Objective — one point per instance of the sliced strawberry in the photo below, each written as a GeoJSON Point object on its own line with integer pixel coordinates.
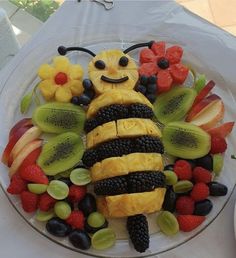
{"type": "Point", "coordinates": [179, 73]}
{"type": "Point", "coordinates": [164, 81]}
{"type": "Point", "coordinates": [30, 159]}
{"type": "Point", "coordinates": [146, 56]}
{"type": "Point", "coordinates": [158, 49]}
{"type": "Point", "coordinates": [188, 223]}
{"type": "Point", "coordinates": [29, 201]}
{"type": "Point", "coordinates": [25, 122]}
{"type": "Point", "coordinates": [17, 185]}
{"type": "Point", "coordinates": [174, 54]}
{"type": "Point", "coordinates": [221, 131]}
{"type": "Point", "coordinates": [35, 174]}
{"type": "Point", "coordinates": [204, 92]}
{"type": "Point", "coordinates": [148, 69]}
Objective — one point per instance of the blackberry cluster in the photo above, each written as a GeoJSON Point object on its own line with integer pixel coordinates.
{"type": "Point", "coordinates": [133, 183]}
{"type": "Point", "coordinates": [137, 227]}
{"type": "Point", "coordinates": [117, 111]}
{"type": "Point", "coordinates": [111, 186]}
{"type": "Point", "coordinates": [122, 146]}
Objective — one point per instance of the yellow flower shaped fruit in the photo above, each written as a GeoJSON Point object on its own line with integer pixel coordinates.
{"type": "Point", "coordinates": [61, 80]}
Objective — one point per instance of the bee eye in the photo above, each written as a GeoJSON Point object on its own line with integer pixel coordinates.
{"type": "Point", "coordinates": [99, 64]}
{"type": "Point", "coordinates": [123, 61]}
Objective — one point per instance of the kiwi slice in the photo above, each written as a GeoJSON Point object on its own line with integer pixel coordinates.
{"type": "Point", "coordinates": [61, 153]}
{"type": "Point", "coordinates": [185, 140]}
{"type": "Point", "coordinates": [59, 118]}
{"type": "Point", "coordinates": [174, 105]}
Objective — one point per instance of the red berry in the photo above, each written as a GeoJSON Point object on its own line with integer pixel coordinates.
{"type": "Point", "coordinates": [76, 219]}
{"type": "Point", "coordinates": [61, 78]}
{"type": "Point", "coordinates": [218, 145]}
{"type": "Point", "coordinates": [17, 185]}
{"type": "Point", "coordinates": [201, 175]}
{"type": "Point", "coordinates": [29, 201]}
{"type": "Point", "coordinates": [46, 202]}
{"type": "Point", "coordinates": [185, 205]}
{"type": "Point", "coordinates": [189, 222]}
{"type": "Point", "coordinates": [35, 174]}
{"type": "Point", "coordinates": [76, 193]}
{"type": "Point", "coordinates": [200, 192]}
{"type": "Point", "coordinates": [183, 170]}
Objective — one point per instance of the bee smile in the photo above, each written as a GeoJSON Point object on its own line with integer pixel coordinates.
{"type": "Point", "coordinates": [110, 80]}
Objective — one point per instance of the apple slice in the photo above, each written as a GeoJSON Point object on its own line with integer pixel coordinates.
{"type": "Point", "coordinates": [27, 149]}
{"type": "Point", "coordinates": [210, 115]}
{"type": "Point", "coordinates": [195, 110]}
{"type": "Point", "coordinates": [204, 92]}
{"type": "Point", "coordinates": [222, 130]}
{"type": "Point", "coordinates": [30, 135]}
{"type": "Point", "coordinates": [11, 143]}
{"type": "Point", "coordinates": [25, 122]}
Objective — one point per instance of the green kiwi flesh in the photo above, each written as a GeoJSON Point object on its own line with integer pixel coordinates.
{"type": "Point", "coordinates": [59, 118]}
{"type": "Point", "coordinates": [174, 105]}
{"type": "Point", "coordinates": [185, 140]}
{"type": "Point", "coordinates": [61, 153]}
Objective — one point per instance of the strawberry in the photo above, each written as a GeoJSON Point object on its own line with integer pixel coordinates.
{"type": "Point", "coordinates": [185, 205]}
{"type": "Point", "coordinates": [199, 192]}
{"type": "Point", "coordinates": [201, 174]}
{"type": "Point", "coordinates": [35, 174]}
{"type": "Point", "coordinates": [76, 219]}
{"type": "Point", "coordinates": [188, 223]}
{"type": "Point", "coordinates": [17, 185]}
{"type": "Point", "coordinates": [218, 145]}
{"type": "Point", "coordinates": [29, 201]}
{"type": "Point", "coordinates": [183, 170]}
{"type": "Point", "coordinates": [46, 202]}
{"type": "Point", "coordinates": [76, 193]}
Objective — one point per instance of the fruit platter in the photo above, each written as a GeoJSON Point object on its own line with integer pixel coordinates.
{"type": "Point", "coordinates": [118, 151]}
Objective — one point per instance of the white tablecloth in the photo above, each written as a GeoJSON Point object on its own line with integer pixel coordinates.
{"type": "Point", "coordinates": [17, 239]}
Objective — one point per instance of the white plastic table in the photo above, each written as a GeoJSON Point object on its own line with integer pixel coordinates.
{"type": "Point", "coordinates": [17, 238]}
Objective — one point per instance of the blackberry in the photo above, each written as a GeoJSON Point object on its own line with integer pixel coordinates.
{"type": "Point", "coordinates": [140, 110]}
{"type": "Point", "coordinates": [137, 227]}
{"type": "Point", "coordinates": [111, 186]}
{"type": "Point", "coordinates": [90, 157]}
{"type": "Point", "coordinates": [90, 124]}
{"type": "Point", "coordinates": [145, 181]}
{"type": "Point", "coordinates": [149, 144]}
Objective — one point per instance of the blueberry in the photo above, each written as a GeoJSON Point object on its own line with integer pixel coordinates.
{"type": "Point", "coordinates": [99, 64]}
{"type": "Point", "coordinates": [58, 227]}
{"type": "Point", "coordinates": [141, 88]}
{"type": "Point", "coordinates": [88, 204]}
{"type": "Point", "coordinates": [123, 61]}
{"type": "Point", "coordinates": [151, 88]}
{"type": "Point", "coordinates": [163, 63]}
{"type": "Point", "coordinates": [170, 200]}
{"type": "Point", "coordinates": [84, 99]}
{"type": "Point", "coordinates": [205, 162]}
{"type": "Point", "coordinates": [151, 97]}
{"type": "Point", "coordinates": [169, 167]}
{"type": "Point", "coordinates": [143, 80]}
{"type": "Point", "coordinates": [87, 84]}
{"type": "Point", "coordinates": [203, 208]}
{"type": "Point", "coordinates": [217, 189]}
{"type": "Point", "coordinates": [90, 93]}
{"type": "Point", "coordinates": [66, 180]}
{"type": "Point", "coordinates": [152, 79]}
{"type": "Point", "coordinates": [80, 239]}
{"type": "Point", "coordinates": [75, 100]}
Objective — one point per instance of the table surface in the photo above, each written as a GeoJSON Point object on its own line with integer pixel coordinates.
{"type": "Point", "coordinates": [19, 239]}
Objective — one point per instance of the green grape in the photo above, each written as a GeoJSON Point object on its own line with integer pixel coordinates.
{"type": "Point", "coordinates": [80, 176]}
{"type": "Point", "coordinates": [96, 219]}
{"type": "Point", "coordinates": [171, 177]}
{"type": "Point", "coordinates": [167, 223]}
{"type": "Point", "coordinates": [103, 239]}
{"type": "Point", "coordinates": [58, 189]}
{"type": "Point", "coordinates": [218, 162]}
{"type": "Point", "coordinates": [182, 186]}
{"type": "Point", "coordinates": [44, 215]}
{"type": "Point", "coordinates": [62, 209]}
{"type": "Point", "coordinates": [37, 188]}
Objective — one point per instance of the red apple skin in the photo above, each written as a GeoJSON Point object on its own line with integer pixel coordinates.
{"type": "Point", "coordinates": [222, 131]}
{"type": "Point", "coordinates": [12, 141]}
{"type": "Point", "coordinates": [25, 122]}
{"type": "Point", "coordinates": [204, 92]}
{"type": "Point", "coordinates": [200, 106]}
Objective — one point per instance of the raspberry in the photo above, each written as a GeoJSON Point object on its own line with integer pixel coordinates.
{"type": "Point", "coordinates": [185, 205]}
{"type": "Point", "coordinates": [218, 145]}
{"type": "Point", "coordinates": [183, 170]}
{"type": "Point", "coordinates": [17, 185]}
{"type": "Point", "coordinates": [189, 222]}
{"type": "Point", "coordinates": [202, 175]}
{"type": "Point", "coordinates": [199, 192]}
{"type": "Point", "coordinates": [76, 193]}
{"type": "Point", "coordinates": [46, 202]}
{"type": "Point", "coordinates": [35, 174]}
{"type": "Point", "coordinates": [76, 219]}
{"type": "Point", "coordinates": [29, 201]}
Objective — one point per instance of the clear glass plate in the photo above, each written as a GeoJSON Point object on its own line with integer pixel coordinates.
{"type": "Point", "coordinates": [24, 78]}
